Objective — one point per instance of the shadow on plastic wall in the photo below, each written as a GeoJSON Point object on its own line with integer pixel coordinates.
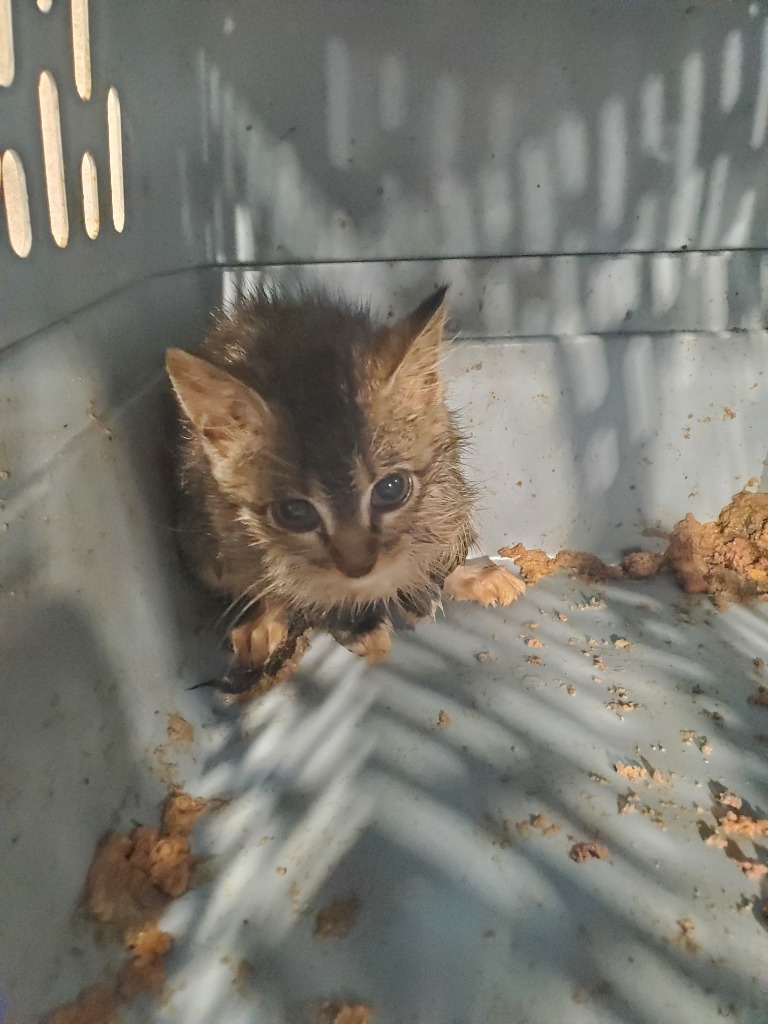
{"type": "Point", "coordinates": [546, 155]}
{"type": "Point", "coordinates": [395, 142]}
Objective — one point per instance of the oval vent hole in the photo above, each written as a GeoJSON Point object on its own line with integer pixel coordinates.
{"type": "Point", "coordinates": [53, 158]}
{"type": "Point", "coordinates": [14, 186]}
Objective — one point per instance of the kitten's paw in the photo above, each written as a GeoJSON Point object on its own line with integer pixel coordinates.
{"type": "Point", "coordinates": [373, 646]}
{"type": "Point", "coordinates": [486, 583]}
{"type": "Point", "coordinates": [255, 640]}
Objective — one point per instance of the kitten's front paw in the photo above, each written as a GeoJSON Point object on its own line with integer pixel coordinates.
{"type": "Point", "coordinates": [256, 639]}
{"type": "Point", "coordinates": [373, 646]}
{"type": "Point", "coordinates": [486, 583]}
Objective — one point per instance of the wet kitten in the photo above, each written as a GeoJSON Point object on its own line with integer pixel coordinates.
{"type": "Point", "coordinates": [320, 474]}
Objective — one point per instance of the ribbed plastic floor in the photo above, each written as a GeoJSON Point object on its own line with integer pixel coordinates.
{"type": "Point", "coordinates": [414, 787]}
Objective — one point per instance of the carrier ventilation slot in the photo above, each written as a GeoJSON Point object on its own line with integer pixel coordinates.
{"type": "Point", "coordinates": [50, 125]}
{"type": "Point", "coordinates": [89, 179]}
{"type": "Point", "coordinates": [7, 63]}
{"type": "Point", "coordinates": [81, 48]}
{"type": "Point", "coordinates": [14, 197]}
{"type": "Point", "coordinates": [114, 124]}
{"type": "Point", "coordinates": [14, 187]}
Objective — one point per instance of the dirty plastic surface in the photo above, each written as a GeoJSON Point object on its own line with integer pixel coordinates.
{"type": "Point", "coordinates": [594, 190]}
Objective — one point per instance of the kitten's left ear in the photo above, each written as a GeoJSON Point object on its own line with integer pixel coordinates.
{"type": "Point", "coordinates": [412, 350]}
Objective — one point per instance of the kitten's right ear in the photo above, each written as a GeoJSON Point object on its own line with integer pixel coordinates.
{"type": "Point", "coordinates": [227, 415]}
{"type": "Point", "coordinates": [410, 352]}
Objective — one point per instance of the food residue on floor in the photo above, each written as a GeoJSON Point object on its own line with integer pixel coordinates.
{"type": "Point", "coordinates": [587, 850]}
{"type": "Point", "coordinates": [685, 937]}
{"type": "Point", "coordinates": [344, 1013]}
{"type": "Point", "coordinates": [337, 919]}
{"type": "Point", "coordinates": [179, 729]}
{"type": "Point", "coordinates": [631, 771]}
{"type": "Point", "coordinates": [726, 558]}
{"type": "Point", "coordinates": [132, 879]}
{"type": "Point", "coordinates": [443, 719]}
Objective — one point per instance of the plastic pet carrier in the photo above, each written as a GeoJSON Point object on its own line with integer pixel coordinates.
{"type": "Point", "coordinates": [553, 811]}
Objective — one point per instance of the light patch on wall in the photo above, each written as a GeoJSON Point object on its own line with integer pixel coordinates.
{"type": "Point", "coordinates": [53, 157]}
{"type": "Point", "coordinates": [81, 48]}
{"type": "Point", "coordinates": [14, 187]}
{"type": "Point", "coordinates": [7, 61]}
{"type": "Point", "coordinates": [89, 178]}
{"type": "Point", "coordinates": [115, 139]}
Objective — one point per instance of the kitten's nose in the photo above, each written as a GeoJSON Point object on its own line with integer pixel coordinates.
{"type": "Point", "coordinates": [353, 550]}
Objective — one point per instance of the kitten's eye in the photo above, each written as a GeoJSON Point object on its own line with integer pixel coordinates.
{"type": "Point", "coordinates": [296, 515]}
{"type": "Point", "coordinates": [391, 491]}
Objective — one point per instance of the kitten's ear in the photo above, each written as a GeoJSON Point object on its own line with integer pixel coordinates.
{"type": "Point", "coordinates": [226, 414]}
{"type": "Point", "coordinates": [411, 350]}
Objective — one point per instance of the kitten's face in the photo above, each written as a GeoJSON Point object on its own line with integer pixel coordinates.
{"type": "Point", "coordinates": [340, 467]}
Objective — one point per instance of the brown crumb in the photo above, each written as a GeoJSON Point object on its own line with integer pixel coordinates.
{"type": "Point", "coordinates": [533, 563]}
{"type": "Point", "coordinates": [337, 919]}
{"type": "Point", "coordinates": [655, 816]}
{"type": "Point", "coordinates": [570, 690]}
{"type": "Point", "coordinates": [181, 812]}
{"type": "Point", "coordinates": [344, 1013]}
{"type": "Point", "coordinates": [243, 974]}
{"type": "Point", "coordinates": [179, 729]}
{"type": "Point", "coordinates": [631, 771]}
{"type": "Point", "coordinates": [627, 803]}
{"type": "Point", "coordinates": [119, 889]}
{"type": "Point", "coordinates": [728, 413]}
{"type": "Point", "coordinates": [531, 625]}
{"type": "Point", "coordinates": [746, 825]}
{"type": "Point", "coordinates": [131, 880]}
{"type": "Point", "coordinates": [587, 850]}
{"type": "Point", "coordinates": [544, 825]}
{"type": "Point", "coordinates": [727, 558]}
{"type": "Point", "coordinates": [596, 777]}
{"type": "Point", "coordinates": [281, 871]}
{"type": "Point", "coordinates": [144, 974]}
{"type": "Point", "coordinates": [685, 938]}
{"type": "Point", "coordinates": [443, 719]}
{"type": "Point", "coordinates": [621, 701]}
{"type": "Point", "coordinates": [533, 659]}
{"type": "Point", "coordinates": [623, 643]}
{"type": "Point", "coordinates": [599, 664]}
{"type": "Point", "coordinates": [4, 474]}
{"type": "Point", "coordinates": [533, 641]}
{"type": "Point", "coordinates": [483, 655]}
{"type": "Point", "coordinates": [561, 617]}
{"type": "Point", "coordinates": [99, 1004]}
{"type": "Point", "coordinates": [759, 697]}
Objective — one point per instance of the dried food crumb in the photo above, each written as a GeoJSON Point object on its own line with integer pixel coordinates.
{"type": "Point", "coordinates": [483, 655]}
{"type": "Point", "coordinates": [631, 771]}
{"type": "Point", "coordinates": [587, 850]}
{"type": "Point", "coordinates": [627, 802]}
{"type": "Point", "coordinates": [623, 643]}
{"type": "Point", "coordinates": [281, 870]}
{"type": "Point", "coordinates": [344, 1013]}
{"type": "Point", "coordinates": [443, 719]}
{"type": "Point", "coordinates": [337, 919]}
{"type": "Point", "coordinates": [533, 659]}
{"type": "Point", "coordinates": [179, 729]}
{"type": "Point", "coordinates": [533, 641]}
{"type": "Point", "coordinates": [759, 697]}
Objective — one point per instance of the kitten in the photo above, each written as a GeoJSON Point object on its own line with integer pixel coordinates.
{"type": "Point", "coordinates": [320, 474]}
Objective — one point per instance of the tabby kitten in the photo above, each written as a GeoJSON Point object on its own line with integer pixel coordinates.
{"type": "Point", "coordinates": [320, 475]}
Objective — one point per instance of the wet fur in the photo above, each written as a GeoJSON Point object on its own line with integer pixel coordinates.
{"type": "Point", "coordinates": [340, 400]}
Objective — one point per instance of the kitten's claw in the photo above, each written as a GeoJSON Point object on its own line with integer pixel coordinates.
{"type": "Point", "coordinates": [373, 646]}
{"type": "Point", "coordinates": [257, 639]}
{"type": "Point", "coordinates": [486, 582]}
